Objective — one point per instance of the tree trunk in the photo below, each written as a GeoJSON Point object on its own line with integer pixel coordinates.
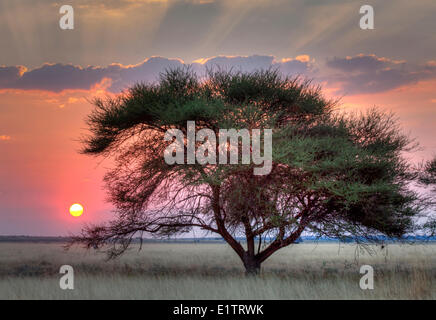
{"type": "Point", "coordinates": [251, 264]}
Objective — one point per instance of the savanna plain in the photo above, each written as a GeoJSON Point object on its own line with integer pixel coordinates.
{"type": "Point", "coordinates": [213, 271]}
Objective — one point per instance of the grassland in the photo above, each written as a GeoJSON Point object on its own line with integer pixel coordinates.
{"type": "Point", "coordinates": [212, 271]}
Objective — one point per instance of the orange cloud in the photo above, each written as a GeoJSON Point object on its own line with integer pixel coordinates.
{"type": "Point", "coordinates": [303, 58]}
{"type": "Point", "coordinates": [5, 138]}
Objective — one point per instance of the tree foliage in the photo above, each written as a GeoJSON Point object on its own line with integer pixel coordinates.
{"type": "Point", "coordinates": [428, 175]}
{"type": "Point", "coordinates": [427, 178]}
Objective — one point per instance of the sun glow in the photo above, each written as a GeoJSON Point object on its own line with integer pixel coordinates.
{"type": "Point", "coordinates": [76, 210]}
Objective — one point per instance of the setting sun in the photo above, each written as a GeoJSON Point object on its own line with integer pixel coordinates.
{"type": "Point", "coordinates": [76, 210]}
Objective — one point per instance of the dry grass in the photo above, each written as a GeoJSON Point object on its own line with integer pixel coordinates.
{"type": "Point", "coordinates": [212, 271]}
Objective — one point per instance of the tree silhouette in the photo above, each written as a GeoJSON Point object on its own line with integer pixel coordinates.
{"type": "Point", "coordinates": [428, 174]}
{"type": "Point", "coordinates": [427, 178]}
{"type": "Point", "coordinates": [332, 175]}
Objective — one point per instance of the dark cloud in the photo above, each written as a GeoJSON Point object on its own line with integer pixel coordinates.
{"type": "Point", "coordinates": [58, 77]}
{"type": "Point", "coordinates": [360, 63]}
{"type": "Point", "coordinates": [51, 77]}
{"type": "Point", "coordinates": [10, 75]}
{"type": "Point", "coordinates": [295, 66]}
{"type": "Point", "coordinates": [371, 74]}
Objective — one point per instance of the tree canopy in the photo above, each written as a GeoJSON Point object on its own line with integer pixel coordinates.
{"type": "Point", "coordinates": [332, 174]}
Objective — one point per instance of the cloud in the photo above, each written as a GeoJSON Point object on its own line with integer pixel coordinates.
{"type": "Point", "coordinates": [243, 63]}
{"type": "Point", "coordinates": [301, 65]}
{"type": "Point", "coordinates": [10, 74]}
{"type": "Point", "coordinates": [361, 62]}
{"type": "Point", "coordinates": [4, 138]}
{"type": "Point", "coordinates": [372, 74]}
{"type": "Point", "coordinates": [59, 77]}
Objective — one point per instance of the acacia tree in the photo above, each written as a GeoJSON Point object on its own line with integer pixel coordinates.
{"type": "Point", "coordinates": [331, 175]}
{"type": "Point", "coordinates": [428, 174]}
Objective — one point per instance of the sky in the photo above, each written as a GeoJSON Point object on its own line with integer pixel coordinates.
{"type": "Point", "coordinates": [48, 76]}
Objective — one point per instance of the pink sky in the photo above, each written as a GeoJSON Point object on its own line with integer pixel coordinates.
{"type": "Point", "coordinates": [41, 171]}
